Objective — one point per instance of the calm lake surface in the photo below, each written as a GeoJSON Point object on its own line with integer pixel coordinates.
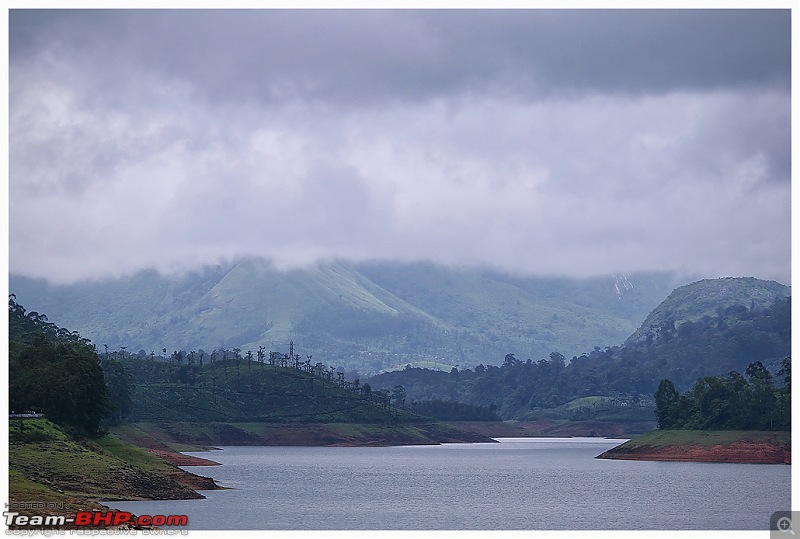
{"type": "Point", "coordinates": [519, 483]}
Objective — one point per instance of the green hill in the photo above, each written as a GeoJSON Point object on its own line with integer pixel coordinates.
{"type": "Point", "coordinates": [708, 298]}
{"type": "Point", "coordinates": [252, 392]}
{"type": "Point", "coordinates": [743, 328]}
{"type": "Point", "coordinates": [366, 317]}
{"type": "Point", "coordinates": [713, 327]}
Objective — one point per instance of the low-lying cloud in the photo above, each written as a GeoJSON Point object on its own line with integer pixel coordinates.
{"type": "Point", "coordinates": [175, 139]}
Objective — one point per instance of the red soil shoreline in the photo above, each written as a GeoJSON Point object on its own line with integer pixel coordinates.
{"type": "Point", "coordinates": [737, 452]}
{"type": "Point", "coordinates": [179, 459]}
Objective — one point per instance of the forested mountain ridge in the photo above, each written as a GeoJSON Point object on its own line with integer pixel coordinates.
{"type": "Point", "coordinates": [734, 337]}
{"type": "Point", "coordinates": [365, 317]}
{"type": "Point", "coordinates": [695, 301]}
{"type": "Point", "coordinates": [751, 321]}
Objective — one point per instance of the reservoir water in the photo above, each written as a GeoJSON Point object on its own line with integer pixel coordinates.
{"type": "Point", "coordinates": [517, 484]}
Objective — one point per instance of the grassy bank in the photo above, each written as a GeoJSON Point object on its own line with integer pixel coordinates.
{"type": "Point", "coordinates": [757, 447]}
{"type": "Point", "coordinates": [552, 428]}
{"type": "Point", "coordinates": [188, 435]}
{"type": "Point", "coordinates": [71, 474]}
{"type": "Point", "coordinates": [597, 408]}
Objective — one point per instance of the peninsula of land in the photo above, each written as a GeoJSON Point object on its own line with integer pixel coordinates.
{"type": "Point", "coordinates": [748, 447]}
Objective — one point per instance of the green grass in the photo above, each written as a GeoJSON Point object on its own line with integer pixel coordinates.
{"type": "Point", "coordinates": [154, 435]}
{"type": "Point", "coordinates": [151, 436]}
{"type": "Point", "coordinates": [34, 430]}
{"type": "Point", "coordinates": [113, 446]}
{"type": "Point", "coordinates": [50, 465]}
{"type": "Point", "coordinates": [593, 408]}
{"type": "Point", "coordinates": [663, 438]}
{"type": "Point", "coordinates": [584, 402]}
{"type": "Point", "coordinates": [197, 436]}
{"type": "Point", "coordinates": [24, 489]}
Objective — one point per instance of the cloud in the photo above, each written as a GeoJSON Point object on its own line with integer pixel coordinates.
{"type": "Point", "coordinates": [537, 141]}
{"type": "Point", "coordinates": [352, 57]}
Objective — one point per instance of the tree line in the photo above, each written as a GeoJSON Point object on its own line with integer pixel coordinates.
{"type": "Point", "coordinates": [55, 371]}
{"type": "Point", "coordinates": [198, 368]}
{"type": "Point", "coordinates": [450, 410]}
{"type": "Point", "coordinates": [731, 402]}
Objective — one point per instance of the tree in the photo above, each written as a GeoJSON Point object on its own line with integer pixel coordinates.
{"type": "Point", "coordinates": [763, 395]}
{"type": "Point", "coordinates": [558, 358]}
{"type": "Point", "coordinates": [783, 397]}
{"type": "Point", "coordinates": [740, 401]}
{"type": "Point", "coordinates": [177, 357]}
{"type": "Point", "coordinates": [63, 380]}
{"type": "Point", "coordinates": [786, 372]}
{"type": "Point", "coordinates": [510, 360]}
{"type": "Point", "coordinates": [399, 396]}
{"type": "Point", "coordinates": [54, 370]}
{"type": "Point", "coordinates": [119, 384]}
{"type": "Point", "coordinates": [712, 404]}
{"type": "Point", "coordinates": [726, 403]}
{"type": "Point", "coordinates": [667, 398]}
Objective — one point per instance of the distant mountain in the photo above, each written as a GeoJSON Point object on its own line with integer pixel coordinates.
{"type": "Point", "coordinates": [708, 298]}
{"type": "Point", "coordinates": [712, 327]}
{"type": "Point", "coordinates": [365, 316]}
{"type": "Point", "coordinates": [749, 321]}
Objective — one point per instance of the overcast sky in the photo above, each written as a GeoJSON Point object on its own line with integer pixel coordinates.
{"type": "Point", "coordinates": [546, 142]}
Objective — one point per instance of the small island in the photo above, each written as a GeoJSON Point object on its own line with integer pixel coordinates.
{"type": "Point", "coordinates": [746, 447]}
{"type": "Point", "coordinates": [733, 418]}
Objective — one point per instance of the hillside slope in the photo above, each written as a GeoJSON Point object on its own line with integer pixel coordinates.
{"type": "Point", "coordinates": [744, 329]}
{"type": "Point", "coordinates": [707, 298]}
{"type": "Point", "coordinates": [235, 391]}
{"type": "Point", "coordinates": [70, 474]}
{"type": "Point", "coordinates": [712, 327]}
{"type": "Point", "coordinates": [367, 316]}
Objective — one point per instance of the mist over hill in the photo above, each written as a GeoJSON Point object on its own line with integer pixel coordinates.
{"type": "Point", "coordinates": [749, 321]}
{"type": "Point", "coordinates": [359, 316]}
